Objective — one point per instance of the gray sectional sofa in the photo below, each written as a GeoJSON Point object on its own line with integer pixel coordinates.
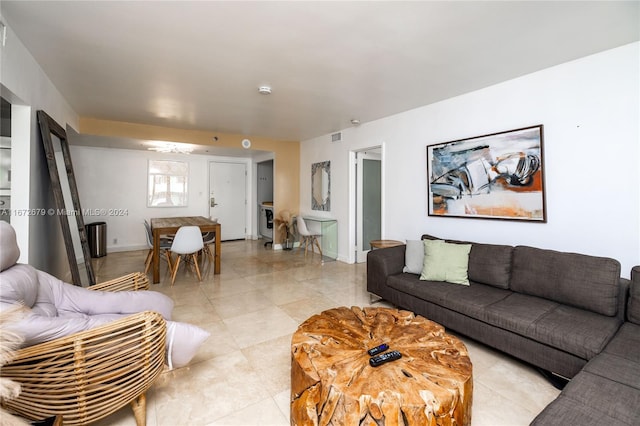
{"type": "Point", "coordinates": [560, 312]}
{"type": "Point", "coordinates": [607, 390]}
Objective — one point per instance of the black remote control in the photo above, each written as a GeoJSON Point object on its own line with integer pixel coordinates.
{"type": "Point", "coordinates": [382, 358]}
{"type": "Point", "coordinates": [375, 351]}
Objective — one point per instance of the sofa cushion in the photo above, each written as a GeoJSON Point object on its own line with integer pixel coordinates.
{"type": "Point", "coordinates": [433, 291]}
{"type": "Point", "coordinates": [613, 399]}
{"type": "Point", "coordinates": [518, 312]}
{"type": "Point", "coordinates": [578, 280]}
{"type": "Point", "coordinates": [633, 308]}
{"type": "Point", "coordinates": [615, 368]}
{"type": "Point", "coordinates": [474, 299]}
{"type": "Point", "coordinates": [626, 342]}
{"type": "Point", "coordinates": [488, 263]}
{"type": "Point", "coordinates": [446, 262]}
{"type": "Point", "coordinates": [573, 330]}
{"type": "Point", "coordinates": [413, 257]}
{"type": "Point", "coordinates": [491, 264]}
{"type": "Point", "coordinates": [579, 332]}
{"type": "Point", "coordinates": [566, 411]}
{"type": "Point", "coordinates": [469, 300]}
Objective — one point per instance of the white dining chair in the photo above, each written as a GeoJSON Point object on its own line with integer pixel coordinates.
{"type": "Point", "coordinates": [306, 237]}
{"type": "Point", "coordinates": [165, 246]}
{"type": "Point", "coordinates": [187, 242]}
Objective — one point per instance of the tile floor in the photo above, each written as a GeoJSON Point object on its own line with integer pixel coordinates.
{"type": "Point", "coordinates": [240, 375]}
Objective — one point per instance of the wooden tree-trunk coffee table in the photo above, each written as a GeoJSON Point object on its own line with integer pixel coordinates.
{"type": "Point", "coordinates": [332, 382]}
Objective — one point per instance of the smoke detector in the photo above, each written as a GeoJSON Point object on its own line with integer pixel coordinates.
{"type": "Point", "coordinates": [264, 90]}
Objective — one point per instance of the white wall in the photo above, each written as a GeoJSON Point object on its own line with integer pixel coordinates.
{"type": "Point", "coordinates": [116, 180]}
{"type": "Point", "coordinates": [591, 114]}
{"type": "Point", "coordinates": [28, 88]}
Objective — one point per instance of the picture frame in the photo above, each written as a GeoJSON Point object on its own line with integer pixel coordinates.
{"type": "Point", "coordinates": [495, 176]}
{"type": "Point", "coordinates": [167, 183]}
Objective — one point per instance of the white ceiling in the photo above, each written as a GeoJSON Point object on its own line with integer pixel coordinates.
{"type": "Point", "coordinates": [198, 65]}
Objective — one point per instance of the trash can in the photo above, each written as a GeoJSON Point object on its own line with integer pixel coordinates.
{"type": "Point", "coordinates": [97, 238]}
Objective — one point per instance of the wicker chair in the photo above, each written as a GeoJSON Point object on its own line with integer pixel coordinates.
{"type": "Point", "coordinates": [130, 282]}
{"type": "Point", "coordinates": [88, 375]}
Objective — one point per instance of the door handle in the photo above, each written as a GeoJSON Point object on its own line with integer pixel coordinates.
{"type": "Point", "coordinates": [212, 202]}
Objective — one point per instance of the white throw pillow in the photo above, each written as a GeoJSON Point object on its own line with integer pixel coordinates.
{"type": "Point", "coordinates": [183, 341]}
{"type": "Point", "coordinates": [413, 257]}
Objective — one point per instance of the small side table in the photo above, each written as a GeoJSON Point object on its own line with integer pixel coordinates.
{"type": "Point", "coordinates": [378, 244]}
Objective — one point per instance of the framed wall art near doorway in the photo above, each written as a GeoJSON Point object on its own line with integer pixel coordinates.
{"type": "Point", "coordinates": [495, 176]}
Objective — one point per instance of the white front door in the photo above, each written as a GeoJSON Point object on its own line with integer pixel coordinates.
{"type": "Point", "coordinates": [228, 199]}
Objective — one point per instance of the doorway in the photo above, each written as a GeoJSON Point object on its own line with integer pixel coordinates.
{"type": "Point", "coordinates": [368, 200]}
{"type": "Point", "coordinates": [5, 160]}
{"type": "Point", "coordinates": [19, 127]}
{"type": "Point", "coordinates": [228, 198]}
{"type": "Point", "coordinates": [264, 197]}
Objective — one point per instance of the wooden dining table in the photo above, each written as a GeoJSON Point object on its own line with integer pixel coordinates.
{"type": "Point", "coordinates": [170, 225]}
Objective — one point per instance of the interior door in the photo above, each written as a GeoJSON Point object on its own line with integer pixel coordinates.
{"type": "Point", "coordinates": [228, 198]}
{"type": "Point", "coordinates": [368, 201]}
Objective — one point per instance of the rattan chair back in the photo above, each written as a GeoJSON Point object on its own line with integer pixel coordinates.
{"type": "Point", "coordinates": [86, 376]}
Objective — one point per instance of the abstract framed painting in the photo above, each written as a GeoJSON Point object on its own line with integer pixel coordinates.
{"type": "Point", "coordinates": [495, 176]}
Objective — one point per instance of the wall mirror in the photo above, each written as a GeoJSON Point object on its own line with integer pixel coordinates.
{"type": "Point", "coordinates": [321, 186]}
{"type": "Point", "coordinates": [65, 193]}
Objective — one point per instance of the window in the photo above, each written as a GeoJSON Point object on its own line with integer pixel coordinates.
{"type": "Point", "coordinates": [167, 183]}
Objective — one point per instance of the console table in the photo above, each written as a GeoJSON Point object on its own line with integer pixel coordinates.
{"type": "Point", "coordinates": [328, 230]}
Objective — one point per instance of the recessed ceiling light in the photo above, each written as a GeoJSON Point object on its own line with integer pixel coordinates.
{"type": "Point", "coordinates": [264, 90]}
{"type": "Point", "coordinates": [355, 122]}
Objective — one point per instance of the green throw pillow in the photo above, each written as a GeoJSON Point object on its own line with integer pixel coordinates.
{"type": "Point", "coordinates": [446, 262]}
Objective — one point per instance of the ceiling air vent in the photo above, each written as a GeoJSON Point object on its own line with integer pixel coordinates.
{"type": "Point", "coordinates": [336, 137]}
